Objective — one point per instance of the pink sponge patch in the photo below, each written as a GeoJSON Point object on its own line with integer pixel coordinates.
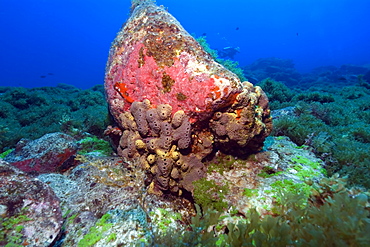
{"type": "Point", "coordinates": [175, 85]}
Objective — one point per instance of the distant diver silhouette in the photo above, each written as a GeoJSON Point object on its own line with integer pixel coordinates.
{"type": "Point", "coordinates": [228, 52]}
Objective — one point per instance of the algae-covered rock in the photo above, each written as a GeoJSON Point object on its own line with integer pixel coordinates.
{"type": "Point", "coordinates": [51, 153]}
{"type": "Point", "coordinates": [30, 214]}
{"type": "Point", "coordinates": [257, 182]}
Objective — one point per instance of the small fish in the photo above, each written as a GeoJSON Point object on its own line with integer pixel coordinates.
{"type": "Point", "coordinates": [42, 76]}
{"type": "Point", "coordinates": [237, 28]}
{"type": "Point", "coordinates": [122, 90]}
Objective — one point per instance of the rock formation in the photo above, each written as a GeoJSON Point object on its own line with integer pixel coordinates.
{"type": "Point", "coordinates": [174, 105]}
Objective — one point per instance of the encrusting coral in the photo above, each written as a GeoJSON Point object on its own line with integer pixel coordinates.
{"type": "Point", "coordinates": [174, 104]}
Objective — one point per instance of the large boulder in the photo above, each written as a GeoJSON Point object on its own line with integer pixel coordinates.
{"type": "Point", "coordinates": [50, 153]}
{"type": "Point", "coordinates": [174, 105]}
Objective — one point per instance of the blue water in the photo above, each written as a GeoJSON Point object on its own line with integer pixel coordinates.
{"type": "Point", "coordinates": [45, 42]}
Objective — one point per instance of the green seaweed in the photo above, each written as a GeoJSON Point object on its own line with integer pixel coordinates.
{"type": "Point", "coordinates": [282, 187]}
{"type": "Point", "coordinates": [7, 224]}
{"type": "Point", "coordinates": [277, 92]}
{"type": "Point", "coordinates": [337, 131]}
{"type": "Point", "coordinates": [96, 233]}
{"type": "Point", "coordinates": [202, 40]}
{"type": "Point", "coordinates": [267, 172]}
{"type": "Point", "coordinates": [294, 224]}
{"type": "Point", "coordinates": [62, 108]}
{"type": "Point", "coordinates": [165, 218]}
{"type": "Point", "coordinates": [221, 164]}
{"type": "Point", "coordinates": [250, 192]}
{"type": "Point", "coordinates": [197, 235]}
{"type": "Point", "coordinates": [94, 144]}
{"type": "Point", "coordinates": [233, 66]}
{"type": "Point", "coordinates": [112, 237]}
{"type": "Point", "coordinates": [3, 154]}
{"type": "Point", "coordinates": [208, 194]}
{"type": "Point", "coordinates": [71, 218]}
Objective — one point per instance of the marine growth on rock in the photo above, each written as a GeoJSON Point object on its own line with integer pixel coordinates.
{"type": "Point", "coordinates": [174, 105]}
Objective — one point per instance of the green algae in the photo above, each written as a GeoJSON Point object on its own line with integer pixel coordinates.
{"type": "Point", "coordinates": [94, 144]}
{"type": "Point", "coordinates": [164, 218]}
{"type": "Point", "coordinates": [96, 232]}
{"type": "Point", "coordinates": [268, 172]}
{"type": "Point", "coordinates": [63, 108]}
{"type": "Point", "coordinates": [294, 224]}
{"type": "Point", "coordinates": [333, 123]}
{"type": "Point", "coordinates": [221, 164]}
{"type": "Point", "coordinates": [7, 224]}
{"type": "Point", "coordinates": [3, 154]}
{"type": "Point", "coordinates": [208, 194]}
{"type": "Point", "coordinates": [250, 192]}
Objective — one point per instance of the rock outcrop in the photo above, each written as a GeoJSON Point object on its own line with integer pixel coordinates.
{"type": "Point", "coordinates": [175, 105]}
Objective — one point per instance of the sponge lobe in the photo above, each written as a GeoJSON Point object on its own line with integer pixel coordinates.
{"type": "Point", "coordinates": [243, 127]}
{"type": "Point", "coordinates": [153, 120]}
{"type": "Point", "coordinates": [164, 111]}
{"type": "Point", "coordinates": [178, 118]}
{"type": "Point", "coordinates": [138, 111]}
{"type": "Point", "coordinates": [159, 140]}
{"type": "Point", "coordinates": [183, 133]}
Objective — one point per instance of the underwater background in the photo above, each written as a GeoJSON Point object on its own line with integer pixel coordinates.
{"type": "Point", "coordinates": [311, 58]}
{"type": "Point", "coordinates": [71, 39]}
